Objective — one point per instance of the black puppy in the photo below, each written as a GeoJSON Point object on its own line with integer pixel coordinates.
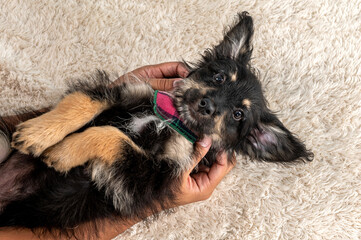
{"type": "Point", "coordinates": [123, 149]}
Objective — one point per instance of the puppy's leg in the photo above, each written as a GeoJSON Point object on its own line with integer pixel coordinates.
{"type": "Point", "coordinates": [105, 144]}
{"type": "Point", "coordinates": [73, 112]}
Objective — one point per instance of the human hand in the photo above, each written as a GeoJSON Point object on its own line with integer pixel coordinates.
{"type": "Point", "coordinates": [159, 76]}
{"type": "Point", "coordinates": [199, 186]}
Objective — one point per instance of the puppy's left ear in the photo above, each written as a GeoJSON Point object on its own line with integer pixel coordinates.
{"type": "Point", "coordinates": [271, 141]}
{"type": "Point", "coordinates": [236, 42]}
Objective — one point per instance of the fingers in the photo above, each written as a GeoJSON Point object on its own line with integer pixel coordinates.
{"type": "Point", "coordinates": [219, 169]}
{"type": "Point", "coordinates": [201, 149]}
{"type": "Point", "coordinates": [172, 69]}
{"type": "Point", "coordinates": [162, 84]}
{"type": "Point", "coordinates": [163, 70]}
{"type": "Point", "coordinates": [160, 76]}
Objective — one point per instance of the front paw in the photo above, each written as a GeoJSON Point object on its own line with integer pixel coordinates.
{"type": "Point", "coordinates": [65, 155]}
{"type": "Point", "coordinates": [29, 138]}
{"type": "Point", "coordinates": [54, 160]}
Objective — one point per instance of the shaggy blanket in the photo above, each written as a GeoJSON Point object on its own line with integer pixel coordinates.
{"type": "Point", "coordinates": [308, 54]}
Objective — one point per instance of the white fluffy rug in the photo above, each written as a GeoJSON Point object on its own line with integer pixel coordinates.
{"type": "Point", "coordinates": [309, 57]}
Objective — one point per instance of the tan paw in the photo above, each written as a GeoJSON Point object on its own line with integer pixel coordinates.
{"type": "Point", "coordinates": [104, 144]}
{"type": "Point", "coordinates": [65, 155]}
{"type": "Point", "coordinates": [74, 111]}
{"type": "Point", "coordinates": [33, 137]}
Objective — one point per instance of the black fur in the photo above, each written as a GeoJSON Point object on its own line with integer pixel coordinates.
{"type": "Point", "coordinates": [221, 97]}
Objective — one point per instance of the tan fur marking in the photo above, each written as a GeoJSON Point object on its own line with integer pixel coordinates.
{"type": "Point", "coordinates": [195, 85]}
{"type": "Point", "coordinates": [219, 120]}
{"type": "Point", "coordinates": [73, 112]}
{"type": "Point", "coordinates": [246, 102]}
{"type": "Point", "coordinates": [96, 143]}
{"type": "Point", "coordinates": [234, 77]}
{"type": "Point", "coordinates": [216, 138]}
{"type": "Point", "coordinates": [192, 84]}
{"type": "Point", "coordinates": [178, 148]}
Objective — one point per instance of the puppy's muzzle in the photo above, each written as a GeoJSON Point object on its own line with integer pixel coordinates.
{"type": "Point", "coordinates": [206, 107]}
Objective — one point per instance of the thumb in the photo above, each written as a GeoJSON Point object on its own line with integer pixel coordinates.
{"type": "Point", "coordinates": [201, 148]}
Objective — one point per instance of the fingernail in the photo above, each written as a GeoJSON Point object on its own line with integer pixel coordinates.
{"type": "Point", "coordinates": [184, 74]}
{"type": "Point", "coordinates": [177, 83]}
{"type": "Point", "coordinates": [205, 142]}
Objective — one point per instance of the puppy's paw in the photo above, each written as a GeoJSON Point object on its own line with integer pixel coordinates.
{"type": "Point", "coordinates": [31, 138]}
{"type": "Point", "coordinates": [104, 144]}
{"type": "Point", "coordinates": [51, 159]}
{"type": "Point", "coordinates": [65, 155]}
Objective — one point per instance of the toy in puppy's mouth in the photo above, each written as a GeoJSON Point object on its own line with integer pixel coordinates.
{"type": "Point", "coordinates": [188, 111]}
{"type": "Point", "coordinates": [165, 110]}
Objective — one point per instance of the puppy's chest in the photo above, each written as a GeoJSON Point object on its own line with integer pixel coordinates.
{"type": "Point", "coordinates": [143, 127]}
{"type": "Point", "coordinates": [138, 124]}
{"type": "Point", "coordinates": [148, 131]}
{"type": "Point", "coordinates": [156, 137]}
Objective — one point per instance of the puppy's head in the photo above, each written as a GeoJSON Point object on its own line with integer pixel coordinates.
{"type": "Point", "coordinates": [222, 97]}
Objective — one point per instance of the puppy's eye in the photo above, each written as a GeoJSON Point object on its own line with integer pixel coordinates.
{"type": "Point", "coordinates": [238, 115]}
{"type": "Point", "coordinates": [219, 77]}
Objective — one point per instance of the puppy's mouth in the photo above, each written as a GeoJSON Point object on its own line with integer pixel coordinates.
{"type": "Point", "coordinates": [188, 104]}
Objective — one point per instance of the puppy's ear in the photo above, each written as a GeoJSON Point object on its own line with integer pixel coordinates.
{"type": "Point", "coordinates": [236, 42]}
{"type": "Point", "coordinates": [271, 141]}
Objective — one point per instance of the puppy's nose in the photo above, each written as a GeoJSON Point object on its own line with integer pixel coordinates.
{"type": "Point", "coordinates": [206, 106]}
